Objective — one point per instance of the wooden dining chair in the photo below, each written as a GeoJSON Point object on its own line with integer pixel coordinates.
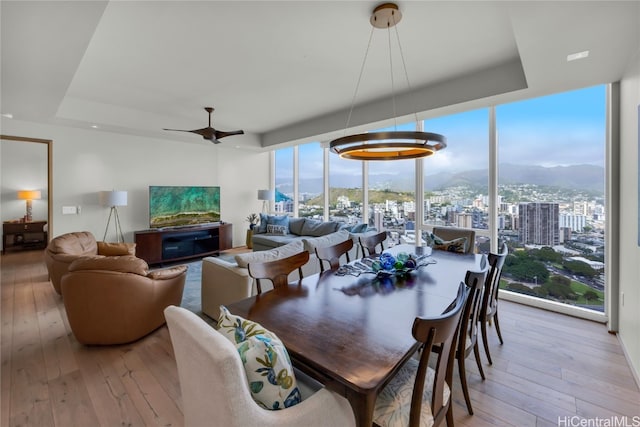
{"type": "Point", "coordinates": [277, 271]}
{"type": "Point", "coordinates": [369, 244]}
{"type": "Point", "coordinates": [418, 390]}
{"type": "Point", "coordinates": [468, 336]}
{"type": "Point", "coordinates": [332, 254]}
{"type": "Point", "coordinates": [489, 310]}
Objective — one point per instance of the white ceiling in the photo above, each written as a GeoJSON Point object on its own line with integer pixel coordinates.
{"type": "Point", "coordinates": [287, 70]}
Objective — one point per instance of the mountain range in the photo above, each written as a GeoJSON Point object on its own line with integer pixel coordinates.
{"type": "Point", "coordinates": [574, 177]}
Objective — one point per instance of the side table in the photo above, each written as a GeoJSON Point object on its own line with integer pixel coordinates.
{"type": "Point", "coordinates": [22, 236]}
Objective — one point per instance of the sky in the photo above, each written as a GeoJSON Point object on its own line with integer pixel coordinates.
{"type": "Point", "coordinates": [555, 130]}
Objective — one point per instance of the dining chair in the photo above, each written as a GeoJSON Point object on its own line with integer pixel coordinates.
{"type": "Point", "coordinates": [489, 310]}
{"type": "Point", "coordinates": [332, 254]}
{"type": "Point", "coordinates": [419, 392]}
{"type": "Point", "coordinates": [369, 244]}
{"type": "Point", "coordinates": [452, 233]}
{"type": "Point", "coordinates": [277, 271]}
{"type": "Point", "coordinates": [468, 336]}
{"type": "Point", "coordinates": [215, 390]}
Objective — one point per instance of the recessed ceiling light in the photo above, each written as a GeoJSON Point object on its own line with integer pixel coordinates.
{"type": "Point", "coordinates": [8, 115]}
{"type": "Point", "coordinates": [94, 126]}
{"type": "Point", "coordinates": [577, 55]}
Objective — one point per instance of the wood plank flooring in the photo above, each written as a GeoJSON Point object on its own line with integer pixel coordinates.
{"type": "Point", "coordinates": [552, 367]}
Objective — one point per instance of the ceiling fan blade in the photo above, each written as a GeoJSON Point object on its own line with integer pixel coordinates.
{"type": "Point", "coordinates": [177, 130]}
{"type": "Point", "coordinates": [221, 134]}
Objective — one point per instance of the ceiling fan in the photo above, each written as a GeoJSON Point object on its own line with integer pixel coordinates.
{"type": "Point", "coordinates": [209, 133]}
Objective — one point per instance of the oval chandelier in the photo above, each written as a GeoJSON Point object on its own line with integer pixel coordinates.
{"type": "Point", "coordinates": [386, 145]}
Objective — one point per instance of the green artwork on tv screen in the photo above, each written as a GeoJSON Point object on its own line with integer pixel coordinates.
{"type": "Point", "coordinates": [172, 206]}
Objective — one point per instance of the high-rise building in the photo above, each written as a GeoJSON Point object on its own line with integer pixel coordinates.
{"type": "Point", "coordinates": [539, 223]}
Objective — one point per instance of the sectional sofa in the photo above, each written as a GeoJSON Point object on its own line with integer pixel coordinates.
{"type": "Point", "coordinates": [276, 231]}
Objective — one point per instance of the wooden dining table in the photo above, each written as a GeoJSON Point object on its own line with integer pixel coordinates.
{"type": "Point", "coordinates": [353, 333]}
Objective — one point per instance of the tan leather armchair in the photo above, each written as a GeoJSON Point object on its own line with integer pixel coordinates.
{"type": "Point", "coordinates": [66, 248]}
{"type": "Point", "coordinates": [116, 300]}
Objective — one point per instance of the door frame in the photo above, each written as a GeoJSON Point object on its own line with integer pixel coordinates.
{"type": "Point", "coordinates": [49, 144]}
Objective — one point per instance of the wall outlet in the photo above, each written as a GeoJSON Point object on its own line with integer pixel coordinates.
{"type": "Point", "coordinates": [69, 210]}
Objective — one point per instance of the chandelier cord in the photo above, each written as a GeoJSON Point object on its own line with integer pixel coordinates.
{"type": "Point", "coordinates": [404, 66]}
{"type": "Point", "coordinates": [355, 93]}
{"type": "Point", "coordinates": [393, 88]}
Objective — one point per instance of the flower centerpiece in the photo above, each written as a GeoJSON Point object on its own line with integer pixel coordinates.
{"type": "Point", "coordinates": [400, 264]}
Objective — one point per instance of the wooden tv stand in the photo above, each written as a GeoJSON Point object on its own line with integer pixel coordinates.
{"type": "Point", "coordinates": [180, 243]}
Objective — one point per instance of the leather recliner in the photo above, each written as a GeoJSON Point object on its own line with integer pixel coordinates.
{"type": "Point", "coordinates": [116, 300]}
{"type": "Point", "coordinates": [66, 248]}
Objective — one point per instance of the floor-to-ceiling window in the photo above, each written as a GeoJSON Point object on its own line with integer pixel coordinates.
{"type": "Point", "coordinates": [345, 190]}
{"type": "Point", "coordinates": [392, 195]}
{"type": "Point", "coordinates": [310, 180]}
{"type": "Point", "coordinates": [456, 179]}
{"type": "Point", "coordinates": [284, 191]}
{"type": "Point", "coordinates": [551, 183]}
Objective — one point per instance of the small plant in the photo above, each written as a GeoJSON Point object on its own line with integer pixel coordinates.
{"type": "Point", "coordinates": [253, 220]}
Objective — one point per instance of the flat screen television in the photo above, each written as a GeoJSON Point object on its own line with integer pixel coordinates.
{"type": "Point", "coordinates": [179, 206]}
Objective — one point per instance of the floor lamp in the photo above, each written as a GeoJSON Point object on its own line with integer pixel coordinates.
{"type": "Point", "coordinates": [113, 199]}
{"type": "Point", "coordinates": [266, 196]}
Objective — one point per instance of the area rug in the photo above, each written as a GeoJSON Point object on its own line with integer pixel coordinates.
{"type": "Point", "coordinates": [191, 294]}
{"type": "Point", "coordinates": [191, 297]}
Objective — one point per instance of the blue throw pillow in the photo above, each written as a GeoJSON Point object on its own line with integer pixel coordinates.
{"type": "Point", "coordinates": [262, 228]}
{"type": "Point", "coordinates": [360, 228]}
{"type": "Point", "coordinates": [266, 220]}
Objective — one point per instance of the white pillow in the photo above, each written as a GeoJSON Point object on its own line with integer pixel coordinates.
{"type": "Point", "coordinates": [270, 374]}
{"type": "Point", "coordinates": [311, 244]}
{"type": "Point", "coordinates": [280, 252]}
{"type": "Point", "coordinates": [277, 229]}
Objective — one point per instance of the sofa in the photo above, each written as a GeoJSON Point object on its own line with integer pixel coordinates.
{"type": "Point", "coordinates": [224, 282]}
{"type": "Point", "coordinates": [116, 299]}
{"type": "Point", "coordinates": [275, 231]}
{"type": "Point", "coordinates": [66, 248]}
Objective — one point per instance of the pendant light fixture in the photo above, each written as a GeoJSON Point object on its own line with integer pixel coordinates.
{"type": "Point", "coordinates": [386, 145]}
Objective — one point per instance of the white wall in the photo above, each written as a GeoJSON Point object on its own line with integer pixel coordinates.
{"type": "Point", "coordinates": [629, 332]}
{"type": "Point", "coordinates": [88, 161]}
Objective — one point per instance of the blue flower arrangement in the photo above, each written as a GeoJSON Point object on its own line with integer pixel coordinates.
{"type": "Point", "coordinates": [401, 263]}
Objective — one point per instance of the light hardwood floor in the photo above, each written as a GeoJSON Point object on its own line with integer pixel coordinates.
{"type": "Point", "coordinates": [550, 366]}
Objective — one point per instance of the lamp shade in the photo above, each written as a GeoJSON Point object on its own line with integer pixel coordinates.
{"type": "Point", "coordinates": [113, 198]}
{"type": "Point", "coordinates": [29, 195]}
{"type": "Point", "coordinates": [266, 195]}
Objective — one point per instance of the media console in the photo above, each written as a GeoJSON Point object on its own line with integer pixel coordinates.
{"type": "Point", "coordinates": [175, 244]}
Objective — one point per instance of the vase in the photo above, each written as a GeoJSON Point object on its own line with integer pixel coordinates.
{"type": "Point", "coordinates": [249, 236]}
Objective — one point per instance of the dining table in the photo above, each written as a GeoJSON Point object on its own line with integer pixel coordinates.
{"type": "Point", "coordinates": [350, 329]}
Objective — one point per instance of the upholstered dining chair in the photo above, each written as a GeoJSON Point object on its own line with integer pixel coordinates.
{"type": "Point", "coordinates": [489, 310]}
{"type": "Point", "coordinates": [332, 254]}
{"type": "Point", "coordinates": [215, 390]}
{"type": "Point", "coordinates": [369, 243]}
{"type": "Point", "coordinates": [452, 233]}
{"type": "Point", "coordinates": [419, 394]}
{"type": "Point", "coordinates": [277, 271]}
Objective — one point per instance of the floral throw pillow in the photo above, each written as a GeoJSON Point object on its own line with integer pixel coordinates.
{"type": "Point", "coordinates": [266, 362]}
{"type": "Point", "coordinates": [458, 245]}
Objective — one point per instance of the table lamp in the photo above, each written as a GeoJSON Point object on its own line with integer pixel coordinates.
{"type": "Point", "coordinates": [266, 196]}
{"type": "Point", "coordinates": [29, 195]}
{"type": "Point", "coordinates": [113, 199]}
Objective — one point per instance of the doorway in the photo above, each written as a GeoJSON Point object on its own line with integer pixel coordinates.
{"type": "Point", "coordinates": [26, 165]}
